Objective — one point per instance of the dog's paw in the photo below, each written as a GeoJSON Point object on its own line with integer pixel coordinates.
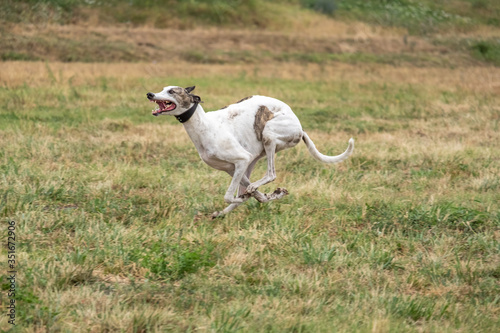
{"type": "Point", "coordinates": [251, 189]}
{"type": "Point", "coordinates": [277, 194]}
{"type": "Point", "coordinates": [281, 191]}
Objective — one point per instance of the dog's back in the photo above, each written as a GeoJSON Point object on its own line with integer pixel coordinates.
{"type": "Point", "coordinates": [268, 118]}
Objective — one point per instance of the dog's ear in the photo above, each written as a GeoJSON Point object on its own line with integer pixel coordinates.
{"type": "Point", "coordinates": [189, 89]}
{"type": "Point", "coordinates": [195, 99]}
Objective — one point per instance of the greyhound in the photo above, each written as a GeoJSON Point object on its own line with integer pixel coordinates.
{"type": "Point", "coordinates": [235, 137]}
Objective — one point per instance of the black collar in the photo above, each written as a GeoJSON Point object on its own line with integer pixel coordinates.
{"type": "Point", "coordinates": [183, 117]}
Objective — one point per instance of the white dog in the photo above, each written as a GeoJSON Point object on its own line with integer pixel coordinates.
{"type": "Point", "coordinates": [235, 137]}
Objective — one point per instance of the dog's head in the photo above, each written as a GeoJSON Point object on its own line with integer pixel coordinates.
{"type": "Point", "coordinates": [173, 100]}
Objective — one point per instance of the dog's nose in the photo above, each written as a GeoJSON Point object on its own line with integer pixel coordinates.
{"type": "Point", "coordinates": [150, 95]}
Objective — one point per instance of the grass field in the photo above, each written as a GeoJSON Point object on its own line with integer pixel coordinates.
{"type": "Point", "coordinates": [112, 206]}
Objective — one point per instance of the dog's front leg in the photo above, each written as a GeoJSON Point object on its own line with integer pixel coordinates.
{"type": "Point", "coordinates": [239, 171]}
{"type": "Point", "coordinates": [238, 174]}
{"type": "Point", "coordinates": [230, 207]}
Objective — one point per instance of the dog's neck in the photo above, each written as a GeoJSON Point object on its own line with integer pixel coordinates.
{"type": "Point", "coordinates": [197, 127]}
{"type": "Point", "coordinates": [183, 117]}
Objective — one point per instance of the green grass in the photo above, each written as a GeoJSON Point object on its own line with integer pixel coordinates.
{"type": "Point", "coordinates": [419, 17]}
{"type": "Point", "coordinates": [488, 50]}
{"type": "Point", "coordinates": [112, 209]}
{"type": "Point", "coordinates": [422, 17]}
{"type": "Point", "coordinates": [159, 13]}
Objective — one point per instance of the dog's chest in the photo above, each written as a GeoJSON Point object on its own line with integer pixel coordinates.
{"type": "Point", "coordinates": [215, 161]}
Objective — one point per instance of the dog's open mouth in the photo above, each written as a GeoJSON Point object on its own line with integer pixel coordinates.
{"type": "Point", "coordinates": [163, 106]}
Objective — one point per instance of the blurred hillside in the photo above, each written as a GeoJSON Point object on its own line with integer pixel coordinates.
{"type": "Point", "coordinates": [421, 33]}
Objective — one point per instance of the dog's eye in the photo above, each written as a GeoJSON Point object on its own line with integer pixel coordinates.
{"type": "Point", "coordinates": [171, 91]}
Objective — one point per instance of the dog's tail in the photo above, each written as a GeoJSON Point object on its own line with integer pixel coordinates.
{"type": "Point", "coordinates": [324, 158]}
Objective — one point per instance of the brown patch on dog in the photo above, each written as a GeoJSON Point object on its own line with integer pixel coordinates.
{"type": "Point", "coordinates": [184, 98]}
{"type": "Point", "coordinates": [244, 99]}
{"type": "Point", "coordinates": [262, 116]}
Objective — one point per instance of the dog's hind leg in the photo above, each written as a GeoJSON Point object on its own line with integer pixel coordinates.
{"type": "Point", "coordinates": [263, 198]}
{"type": "Point", "coordinates": [245, 181]}
{"type": "Point", "coordinates": [270, 148]}
{"type": "Point", "coordinates": [260, 197]}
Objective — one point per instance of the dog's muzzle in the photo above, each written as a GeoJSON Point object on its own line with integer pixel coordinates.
{"type": "Point", "coordinates": [163, 105]}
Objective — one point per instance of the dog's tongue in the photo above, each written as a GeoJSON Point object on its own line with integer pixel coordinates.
{"type": "Point", "coordinates": [162, 105]}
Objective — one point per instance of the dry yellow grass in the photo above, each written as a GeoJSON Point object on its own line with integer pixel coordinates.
{"type": "Point", "coordinates": [473, 79]}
